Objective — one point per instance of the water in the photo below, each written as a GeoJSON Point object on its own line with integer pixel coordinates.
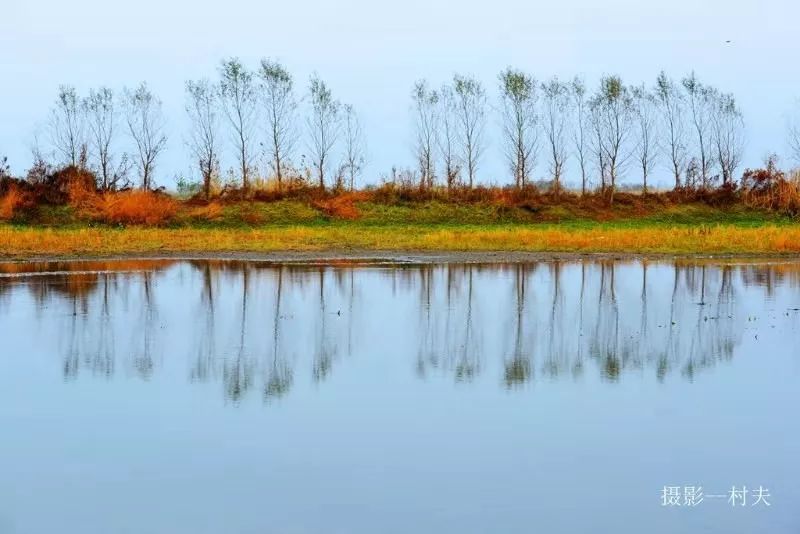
{"type": "Point", "coordinates": [213, 396]}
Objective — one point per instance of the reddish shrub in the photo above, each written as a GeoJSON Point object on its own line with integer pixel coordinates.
{"type": "Point", "coordinates": [769, 188]}
{"type": "Point", "coordinates": [13, 202]}
{"type": "Point", "coordinates": [79, 195]}
{"type": "Point", "coordinates": [339, 207]}
{"type": "Point", "coordinates": [131, 207]}
{"type": "Point", "coordinates": [57, 187]}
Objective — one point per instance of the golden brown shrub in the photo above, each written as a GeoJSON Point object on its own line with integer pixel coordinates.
{"type": "Point", "coordinates": [9, 203]}
{"type": "Point", "coordinates": [131, 207]}
{"type": "Point", "coordinates": [209, 212]}
{"type": "Point", "coordinates": [13, 202]}
{"type": "Point", "coordinates": [339, 207]}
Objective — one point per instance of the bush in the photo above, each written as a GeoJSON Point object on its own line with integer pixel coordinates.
{"type": "Point", "coordinates": [57, 187]}
{"type": "Point", "coordinates": [130, 207]}
{"type": "Point", "coordinates": [79, 195]}
{"type": "Point", "coordinates": [339, 207]}
{"type": "Point", "coordinates": [769, 188]}
{"type": "Point", "coordinates": [14, 202]}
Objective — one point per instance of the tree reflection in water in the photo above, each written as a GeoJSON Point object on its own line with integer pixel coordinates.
{"type": "Point", "coordinates": [260, 326]}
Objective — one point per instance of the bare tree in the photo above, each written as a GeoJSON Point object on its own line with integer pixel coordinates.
{"type": "Point", "coordinates": [794, 134]}
{"type": "Point", "coordinates": [613, 108]}
{"type": "Point", "coordinates": [556, 100]}
{"type": "Point", "coordinates": [700, 98]}
{"type": "Point", "coordinates": [581, 122]}
{"type": "Point", "coordinates": [447, 140]}
{"type": "Point", "coordinates": [201, 106]}
{"type": "Point", "coordinates": [101, 119]}
{"type": "Point", "coordinates": [426, 110]}
{"type": "Point", "coordinates": [671, 105]}
{"type": "Point", "coordinates": [67, 127]}
{"type": "Point", "coordinates": [146, 126]}
{"type": "Point", "coordinates": [323, 126]}
{"type": "Point", "coordinates": [41, 169]}
{"type": "Point", "coordinates": [597, 142]}
{"type": "Point", "coordinates": [647, 126]}
{"type": "Point", "coordinates": [471, 121]}
{"type": "Point", "coordinates": [518, 98]}
{"type": "Point", "coordinates": [354, 150]}
{"type": "Point", "coordinates": [728, 135]}
{"type": "Point", "coordinates": [238, 95]}
{"type": "Point", "coordinates": [277, 88]}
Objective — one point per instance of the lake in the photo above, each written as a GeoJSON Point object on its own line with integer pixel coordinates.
{"type": "Point", "coordinates": [173, 396]}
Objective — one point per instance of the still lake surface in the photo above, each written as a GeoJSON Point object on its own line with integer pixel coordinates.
{"type": "Point", "coordinates": [244, 397]}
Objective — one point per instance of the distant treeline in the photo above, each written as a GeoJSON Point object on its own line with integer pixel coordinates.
{"type": "Point", "coordinates": [693, 129]}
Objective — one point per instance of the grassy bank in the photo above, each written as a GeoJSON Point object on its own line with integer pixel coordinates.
{"type": "Point", "coordinates": [347, 223]}
{"type": "Point", "coordinates": [19, 242]}
{"type": "Point", "coordinates": [346, 210]}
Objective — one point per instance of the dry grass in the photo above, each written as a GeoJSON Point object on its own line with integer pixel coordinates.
{"type": "Point", "coordinates": [340, 207]}
{"type": "Point", "coordinates": [129, 207]}
{"type": "Point", "coordinates": [15, 242]}
{"type": "Point", "coordinates": [209, 212]}
{"type": "Point", "coordinates": [781, 197]}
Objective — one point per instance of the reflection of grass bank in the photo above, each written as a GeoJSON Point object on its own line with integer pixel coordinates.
{"type": "Point", "coordinates": [640, 237]}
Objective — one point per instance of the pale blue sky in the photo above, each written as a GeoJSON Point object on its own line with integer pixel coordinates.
{"type": "Point", "coordinates": [371, 52]}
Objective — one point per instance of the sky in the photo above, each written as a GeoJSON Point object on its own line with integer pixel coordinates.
{"type": "Point", "coordinates": [370, 53]}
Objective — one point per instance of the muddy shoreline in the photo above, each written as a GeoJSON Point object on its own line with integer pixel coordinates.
{"type": "Point", "coordinates": [407, 257]}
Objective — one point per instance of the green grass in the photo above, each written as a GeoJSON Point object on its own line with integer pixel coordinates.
{"type": "Point", "coordinates": [435, 213]}
{"type": "Point", "coordinates": [283, 213]}
{"type": "Point", "coordinates": [296, 225]}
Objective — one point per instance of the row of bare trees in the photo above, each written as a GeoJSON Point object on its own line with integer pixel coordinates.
{"type": "Point", "coordinates": [451, 122]}
{"type": "Point", "coordinates": [689, 128]}
{"type": "Point", "coordinates": [260, 109]}
{"type": "Point", "coordinates": [693, 127]}
{"type": "Point", "coordinates": [257, 109]}
{"type": "Point", "coordinates": [84, 132]}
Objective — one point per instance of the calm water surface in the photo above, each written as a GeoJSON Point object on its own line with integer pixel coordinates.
{"type": "Point", "coordinates": [236, 397]}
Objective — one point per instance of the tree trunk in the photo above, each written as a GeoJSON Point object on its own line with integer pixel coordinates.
{"type": "Point", "coordinates": [613, 177]}
{"type": "Point", "coordinates": [583, 180]}
{"type": "Point", "coordinates": [644, 176]}
{"type": "Point", "coordinates": [245, 178]}
{"type": "Point", "coordinates": [278, 173]}
{"type": "Point", "coordinates": [677, 175]}
{"type": "Point", "coordinates": [207, 182]}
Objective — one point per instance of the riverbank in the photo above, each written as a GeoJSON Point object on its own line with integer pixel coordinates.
{"type": "Point", "coordinates": [342, 240]}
